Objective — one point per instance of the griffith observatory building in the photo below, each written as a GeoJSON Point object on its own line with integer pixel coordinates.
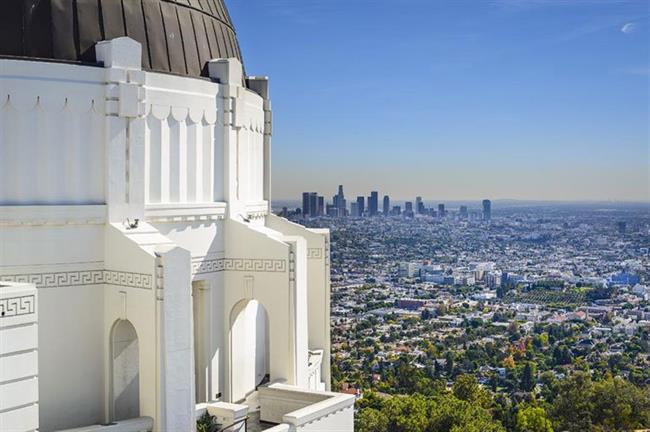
{"type": "Point", "coordinates": [144, 281]}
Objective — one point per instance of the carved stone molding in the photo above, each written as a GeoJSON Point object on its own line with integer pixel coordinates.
{"type": "Point", "coordinates": [239, 264]}
{"type": "Point", "coordinates": [83, 277]}
{"type": "Point", "coordinates": [16, 306]}
{"type": "Point", "coordinates": [314, 253]}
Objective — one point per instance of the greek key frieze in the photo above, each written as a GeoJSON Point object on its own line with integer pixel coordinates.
{"type": "Point", "coordinates": [128, 279]}
{"type": "Point", "coordinates": [314, 253]}
{"type": "Point", "coordinates": [16, 306]}
{"type": "Point", "coordinates": [240, 264]}
{"type": "Point", "coordinates": [81, 278]}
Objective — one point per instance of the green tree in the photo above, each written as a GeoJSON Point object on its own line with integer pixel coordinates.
{"type": "Point", "coordinates": [533, 419]}
{"type": "Point", "coordinates": [371, 420]}
{"type": "Point", "coordinates": [449, 362]}
{"type": "Point", "coordinates": [620, 405]}
{"type": "Point", "coordinates": [467, 388]}
{"type": "Point", "coordinates": [528, 377]}
{"type": "Point", "coordinates": [573, 406]}
{"type": "Point", "coordinates": [448, 413]}
{"type": "Point", "coordinates": [406, 413]}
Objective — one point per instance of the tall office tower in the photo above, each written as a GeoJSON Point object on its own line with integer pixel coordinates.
{"type": "Point", "coordinates": [321, 206]}
{"type": "Point", "coordinates": [441, 210]}
{"type": "Point", "coordinates": [373, 203]}
{"type": "Point", "coordinates": [360, 205]}
{"type": "Point", "coordinates": [155, 316]}
{"type": "Point", "coordinates": [621, 226]}
{"type": "Point", "coordinates": [339, 202]}
{"type": "Point", "coordinates": [354, 209]}
{"type": "Point", "coordinates": [397, 210]}
{"type": "Point", "coordinates": [487, 210]}
{"type": "Point", "coordinates": [305, 204]}
{"type": "Point", "coordinates": [313, 204]}
{"type": "Point", "coordinates": [419, 205]}
{"type": "Point", "coordinates": [463, 212]}
{"type": "Point", "coordinates": [386, 205]}
{"type": "Point", "coordinates": [408, 206]}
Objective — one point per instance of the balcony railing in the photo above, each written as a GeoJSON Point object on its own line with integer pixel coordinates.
{"type": "Point", "coordinates": [296, 408]}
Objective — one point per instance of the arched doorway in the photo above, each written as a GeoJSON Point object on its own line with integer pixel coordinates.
{"type": "Point", "coordinates": [125, 371]}
{"type": "Point", "coordinates": [249, 348]}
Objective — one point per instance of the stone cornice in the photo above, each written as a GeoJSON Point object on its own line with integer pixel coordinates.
{"type": "Point", "coordinates": [172, 213]}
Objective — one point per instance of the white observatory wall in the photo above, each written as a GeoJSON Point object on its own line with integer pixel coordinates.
{"type": "Point", "coordinates": [52, 171]}
{"type": "Point", "coordinates": [51, 133]}
{"type": "Point", "coordinates": [183, 144]}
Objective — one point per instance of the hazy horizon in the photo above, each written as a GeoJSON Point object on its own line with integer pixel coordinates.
{"type": "Point", "coordinates": [532, 100]}
{"type": "Point", "coordinates": [476, 203]}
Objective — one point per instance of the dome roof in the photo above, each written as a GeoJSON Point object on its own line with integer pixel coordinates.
{"type": "Point", "coordinates": [177, 36]}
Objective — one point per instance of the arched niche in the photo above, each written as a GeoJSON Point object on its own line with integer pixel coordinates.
{"type": "Point", "coordinates": [125, 371]}
{"type": "Point", "coordinates": [249, 348]}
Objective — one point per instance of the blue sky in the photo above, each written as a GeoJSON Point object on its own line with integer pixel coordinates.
{"type": "Point", "coordinates": [458, 99]}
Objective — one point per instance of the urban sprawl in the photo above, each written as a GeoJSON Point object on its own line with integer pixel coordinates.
{"type": "Point", "coordinates": [516, 298]}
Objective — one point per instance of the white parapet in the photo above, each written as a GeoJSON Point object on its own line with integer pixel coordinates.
{"type": "Point", "coordinates": [18, 357]}
{"type": "Point", "coordinates": [230, 416]}
{"type": "Point", "coordinates": [304, 410]}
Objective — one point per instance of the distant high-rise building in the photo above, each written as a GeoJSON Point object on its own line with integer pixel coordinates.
{"type": "Point", "coordinates": [621, 226]}
{"type": "Point", "coordinates": [463, 212]}
{"type": "Point", "coordinates": [339, 202]}
{"type": "Point", "coordinates": [305, 204]}
{"type": "Point", "coordinates": [373, 203]}
{"type": "Point", "coordinates": [354, 209]}
{"type": "Point", "coordinates": [386, 205]}
{"type": "Point", "coordinates": [313, 204]}
{"type": "Point", "coordinates": [408, 209]}
{"type": "Point", "coordinates": [487, 210]}
{"type": "Point", "coordinates": [360, 205]}
{"type": "Point", "coordinates": [419, 205]}
{"type": "Point", "coordinates": [397, 210]}
{"type": "Point", "coordinates": [320, 211]}
{"type": "Point", "coordinates": [441, 210]}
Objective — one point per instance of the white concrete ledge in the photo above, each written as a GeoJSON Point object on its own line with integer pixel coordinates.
{"type": "Point", "coordinates": [280, 428]}
{"type": "Point", "coordinates": [281, 403]}
{"type": "Point", "coordinates": [319, 410]}
{"type": "Point", "coordinates": [140, 424]}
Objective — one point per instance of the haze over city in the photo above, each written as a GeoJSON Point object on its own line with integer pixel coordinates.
{"type": "Point", "coordinates": [508, 99]}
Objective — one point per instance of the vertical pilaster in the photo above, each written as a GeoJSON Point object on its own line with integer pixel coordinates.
{"type": "Point", "coordinates": [177, 368]}
{"type": "Point", "coordinates": [260, 85]}
{"type": "Point", "coordinates": [228, 72]}
{"type": "Point", "coordinates": [125, 128]}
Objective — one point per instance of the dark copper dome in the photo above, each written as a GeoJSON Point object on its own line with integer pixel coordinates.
{"type": "Point", "coordinates": [177, 36]}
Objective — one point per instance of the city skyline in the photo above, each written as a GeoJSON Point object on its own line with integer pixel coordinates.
{"type": "Point", "coordinates": [542, 100]}
{"type": "Point", "coordinates": [314, 205]}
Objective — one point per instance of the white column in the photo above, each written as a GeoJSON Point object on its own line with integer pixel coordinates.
{"type": "Point", "coordinates": [177, 368]}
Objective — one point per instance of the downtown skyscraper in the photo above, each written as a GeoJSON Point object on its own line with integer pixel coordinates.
{"type": "Point", "coordinates": [373, 203]}
{"type": "Point", "coordinates": [386, 206]}
{"type": "Point", "coordinates": [487, 210]}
